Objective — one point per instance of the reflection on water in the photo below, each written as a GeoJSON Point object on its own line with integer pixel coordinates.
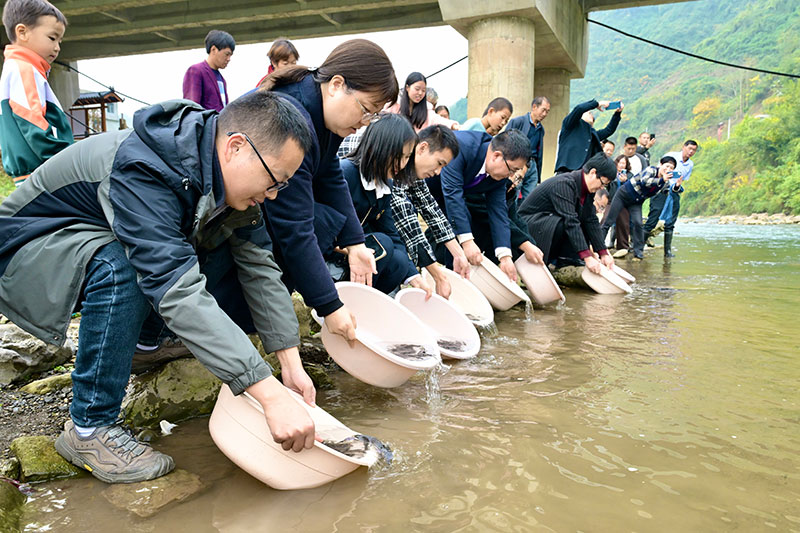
{"type": "Point", "coordinates": [674, 408]}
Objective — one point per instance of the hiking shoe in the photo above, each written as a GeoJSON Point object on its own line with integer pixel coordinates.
{"type": "Point", "coordinates": [112, 454]}
{"type": "Point", "coordinates": [170, 349]}
{"type": "Point", "coordinates": [619, 254]}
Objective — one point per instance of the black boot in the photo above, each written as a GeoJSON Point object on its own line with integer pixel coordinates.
{"type": "Point", "coordinates": [668, 244]}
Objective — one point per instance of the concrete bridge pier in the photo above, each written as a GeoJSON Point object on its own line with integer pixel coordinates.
{"type": "Point", "coordinates": [520, 49]}
{"type": "Point", "coordinates": [501, 62]}
{"type": "Point", "coordinates": [554, 84]}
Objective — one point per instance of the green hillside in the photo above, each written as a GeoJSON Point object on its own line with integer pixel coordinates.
{"type": "Point", "coordinates": [679, 97]}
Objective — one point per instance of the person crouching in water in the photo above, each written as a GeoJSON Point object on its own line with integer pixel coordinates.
{"type": "Point", "coordinates": [632, 194]}
{"type": "Point", "coordinates": [134, 227]}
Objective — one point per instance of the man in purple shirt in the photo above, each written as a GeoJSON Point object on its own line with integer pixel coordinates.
{"type": "Point", "coordinates": [203, 82]}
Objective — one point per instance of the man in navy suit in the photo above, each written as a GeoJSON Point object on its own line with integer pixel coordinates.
{"type": "Point", "coordinates": [483, 166]}
{"type": "Point", "coordinates": [578, 140]}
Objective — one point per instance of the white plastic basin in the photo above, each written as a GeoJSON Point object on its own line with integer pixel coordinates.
{"type": "Point", "coordinates": [607, 282]}
{"type": "Point", "coordinates": [501, 292]}
{"type": "Point", "coordinates": [624, 274]}
{"type": "Point", "coordinates": [539, 281]}
{"type": "Point", "coordinates": [384, 330]}
{"type": "Point", "coordinates": [465, 296]}
{"type": "Point", "coordinates": [239, 429]}
{"type": "Point", "coordinates": [456, 336]}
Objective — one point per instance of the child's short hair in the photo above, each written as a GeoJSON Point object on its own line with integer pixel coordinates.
{"type": "Point", "coordinates": [498, 104]}
{"type": "Point", "coordinates": [220, 39]}
{"type": "Point", "coordinates": [282, 50]}
{"type": "Point", "coordinates": [27, 12]}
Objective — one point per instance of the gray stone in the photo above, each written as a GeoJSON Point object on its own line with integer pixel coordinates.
{"type": "Point", "coordinates": [48, 384]}
{"type": "Point", "coordinates": [22, 354]}
{"type": "Point", "coordinates": [570, 276]}
{"type": "Point", "coordinates": [9, 468]}
{"type": "Point", "coordinates": [180, 390]}
{"type": "Point", "coordinates": [149, 497]}
{"type": "Point", "coordinates": [39, 460]}
{"type": "Point", "coordinates": [11, 502]}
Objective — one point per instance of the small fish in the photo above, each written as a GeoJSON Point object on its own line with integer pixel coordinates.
{"type": "Point", "coordinates": [360, 446]}
{"type": "Point", "coordinates": [409, 351]}
{"type": "Point", "coordinates": [453, 345]}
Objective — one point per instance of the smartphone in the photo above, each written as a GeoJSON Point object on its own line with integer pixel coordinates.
{"type": "Point", "coordinates": [614, 105]}
{"type": "Point", "coordinates": [375, 245]}
{"type": "Point", "coordinates": [652, 136]}
{"type": "Point", "coordinates": [676, 174]}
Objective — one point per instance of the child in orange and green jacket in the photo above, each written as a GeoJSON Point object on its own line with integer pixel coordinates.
{"type": "Point", "coordinates": [33, 127]}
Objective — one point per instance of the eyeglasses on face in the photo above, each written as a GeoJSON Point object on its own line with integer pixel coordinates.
{"type": "Point", "coordinates": [511, 171]}
{"type": "Point", "coordinates": [276, 185]}
{"type": "Point", "coordinates": [366, 114]}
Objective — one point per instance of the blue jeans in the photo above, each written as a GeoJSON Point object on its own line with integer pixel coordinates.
{"type": "Point", "coordinates": [113, 310]}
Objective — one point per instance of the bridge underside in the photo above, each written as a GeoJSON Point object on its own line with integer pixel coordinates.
{"type": "Point", "coordinates": [517, 48]}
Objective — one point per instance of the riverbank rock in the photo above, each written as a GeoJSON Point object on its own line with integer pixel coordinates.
{"type": "Point", "coordinates": [147, 498]}
{"type": "Point", "coordinates": [39, 460]}
{"type": "Point", "coordinates": [179, 390]}
{"type": "Point", "coordinates": [9, 468]}
{"type": "Point", "coordinates": [11, 502]}
{"type": "Point", "coordinates": [570, 276]}
{"type": "Point", "coordinates": [48, 384]}
{"type": "Point", "coordinates": [22, 354]}
{"type": "Point", "coordinates": [316, 361]}
{"type": "Point", "coordinates": [308, 325]}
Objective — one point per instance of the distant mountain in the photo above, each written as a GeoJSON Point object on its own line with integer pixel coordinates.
{"type": "Point", "coordinates": [662, 89]}
{"type": "Point", "coordinates": [458, 111]}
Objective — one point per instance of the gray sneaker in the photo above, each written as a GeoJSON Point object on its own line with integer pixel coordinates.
{"type": "Point", "coordinates": [112, 454]}
{"type": "Point", "coordinates": [169, 350]}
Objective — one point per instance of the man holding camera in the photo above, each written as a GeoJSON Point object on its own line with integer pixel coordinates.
{"type": "Point", "coordinates": [632, 194]}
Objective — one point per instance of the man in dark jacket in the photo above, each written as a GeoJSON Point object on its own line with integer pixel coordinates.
{"type": "Point", "coordinates": [482, 167]}
{"type": "Point", "coordinates": [530, 124]}
{"type": "Point", "coordinates": [578, 140]}
{"type": "Point", "coordinates": [521, 241]}
{"type": "Point", "coordinates": [150, 219]}
{"type": "Point", "coordinates": [561, 217]}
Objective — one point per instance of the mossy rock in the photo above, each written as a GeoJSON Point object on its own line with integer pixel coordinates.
{"type": "Point", "coordinates": [316, 371]}
{"type": "Point", "coordinates": [39, 460]}
{"type": "Point", "coordinates": [9, 468]}
{"type": "Point", "coordinates": [307, 325]}
{"type": "Point", "coordinates": [49, 384]}
{"type": "Point", "coordinates": [180, 390]}
{"type": "Point", "coordinates": [570, 276]}
{"type": "Point", "coordinates": [11, 502]}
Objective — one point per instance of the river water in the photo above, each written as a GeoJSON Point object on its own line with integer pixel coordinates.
{"type": "Point", "coordinates": [675, 408]}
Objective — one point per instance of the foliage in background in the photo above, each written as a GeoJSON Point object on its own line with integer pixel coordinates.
{"type": "Point", "coordinates": [458, 111]}
{"type": "Point", "coordinates": [6, 185]}
{"type": "Point", "coordinates": [758, 169]}
{"type": "Point", "coordinates": [679, 98]}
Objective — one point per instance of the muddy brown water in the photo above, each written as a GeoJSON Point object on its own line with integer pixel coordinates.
{"type": "Point", "coordinates": [675, 408]}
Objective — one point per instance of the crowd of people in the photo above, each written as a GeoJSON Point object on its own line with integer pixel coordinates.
{"type": "Point", "coordinates": [191, 230]}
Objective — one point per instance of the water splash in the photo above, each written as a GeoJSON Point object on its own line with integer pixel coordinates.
{"type": "Point", "coordinates": [528, 310]}
{"type": "Point", "coordinates": [489, 330]}
{"type": "Point", "coordinates": [433, 394]}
